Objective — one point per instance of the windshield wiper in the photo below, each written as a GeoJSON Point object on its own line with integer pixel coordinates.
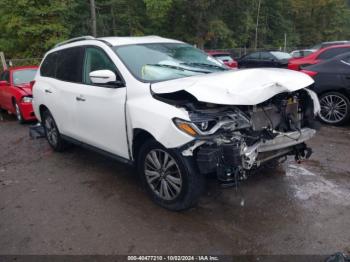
{"type": "Point", "coordinates": [205, 65]}
{"type": "Point", "coordinates": [178, 68]}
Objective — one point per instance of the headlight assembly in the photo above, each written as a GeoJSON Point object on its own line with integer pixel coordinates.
{"type": "Point", "coordinates": [208, 124]}
{"type": "Point", "coordinates": [27, 99]}
{"type": "Point", "coordinates": [185, 126]}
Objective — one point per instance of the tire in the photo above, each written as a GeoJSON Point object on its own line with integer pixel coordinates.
{"type": "Point", "coordinates": [19, 115]}
{"type": "Point", "coordinates": [52, 133]}
{"type": "Point", "coordinates": [335, 108]}
{"type": "Point", "coordinates": [182, 185]}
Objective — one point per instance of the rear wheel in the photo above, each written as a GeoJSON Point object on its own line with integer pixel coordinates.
{"type": "Point", "coordinates": [52, 133]}
{"type": "Point", "coordinates": [169, 178]}
{"type": "Point", "coordinates": [335, 108]}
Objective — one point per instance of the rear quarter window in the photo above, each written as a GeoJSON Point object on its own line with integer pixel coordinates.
{"type": "Point", "coordinates": [70, 64]}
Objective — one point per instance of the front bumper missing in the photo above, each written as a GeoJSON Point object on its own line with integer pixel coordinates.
{"type": "Point", "coordinates": [287, 139]}
{"type": "Point", "coordinates": [283, 144]}
{"type": "Point", "coordinates": [237, 156]}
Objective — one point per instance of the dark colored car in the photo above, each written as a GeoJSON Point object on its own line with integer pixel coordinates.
{"type": "Point", "coordinates": [264, 59]}
{"type": "Point", "coordinates": [16, 92]}
{"type": "Point", "coordinates": [319, 56]}
{"type": "Point", "coordinates": [224, 57]}
{"type": "Point", "coordinates": [332, 84]}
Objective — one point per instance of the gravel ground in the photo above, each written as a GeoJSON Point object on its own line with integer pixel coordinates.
{"type": "Point", "coordinates": [78, 202]}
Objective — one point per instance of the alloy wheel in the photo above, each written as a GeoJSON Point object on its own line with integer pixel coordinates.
{"type": "Point", "coordinates": [333, 108]}
{"type": "Point", "coordinates": [163, 174]}
{"type": "Point", "coordinates": [51, 131]}
{"type": "Point", "coordinates": [18, 113]}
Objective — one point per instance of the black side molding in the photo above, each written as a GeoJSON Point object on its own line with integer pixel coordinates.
{"type": "Point", "coordinates": [98, 150]}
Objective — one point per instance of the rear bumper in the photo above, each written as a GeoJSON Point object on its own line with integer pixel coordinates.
{"type": "Point", "coordinates": [27, 111]}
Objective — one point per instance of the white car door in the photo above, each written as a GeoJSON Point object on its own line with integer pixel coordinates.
{"type": "Point", "coordinates": [61, 84]}
{"type": "Point", "coordinates": [100, 109]}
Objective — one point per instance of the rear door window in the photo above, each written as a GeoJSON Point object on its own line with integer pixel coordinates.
{"type": "Point", "coordinates": [253, 56]}
{"type": "Point", "coordinates": [69, 64]}
{"type": "Point", "coordinates": [266, 56]}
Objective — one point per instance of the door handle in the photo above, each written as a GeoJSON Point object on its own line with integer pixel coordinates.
{"type": "Point", "coordinates": [48, 91]}
{"type": "Point", "coordinates": [80, 99]}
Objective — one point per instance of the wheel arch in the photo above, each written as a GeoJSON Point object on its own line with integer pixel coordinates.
{"type": "Point", "coordinates": [42, 109]}
{"type": "Point", "coordinates": [13, 102]}
{"type": "Point", "coordinates": [140, 136]}
{"type": "Point", "coordinates": [342, 90]}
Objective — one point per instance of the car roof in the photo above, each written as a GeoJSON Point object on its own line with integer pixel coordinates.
{"type": "Point", "coordinates": [339, 41]}
{"type": "Point", "coordinates": [129, 40]}
{"type": "Point", "coordinates": [331, 47]}
{"type": "Point", "coordinates": [111, 41]}
{"type": "Point", "coordinates": [304, 50]}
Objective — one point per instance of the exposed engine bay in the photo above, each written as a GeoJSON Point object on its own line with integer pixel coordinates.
{"type": "Point", "coordinates": [232, 140]}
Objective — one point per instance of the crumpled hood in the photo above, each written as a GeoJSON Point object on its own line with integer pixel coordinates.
{"type": "Point", "coordinates": [237, 87]}
{"type": "Point", "coordinates": [26, 88]}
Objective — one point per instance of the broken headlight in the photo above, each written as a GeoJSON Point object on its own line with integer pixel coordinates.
{"type": "Point", "coordinates": [230, 122]}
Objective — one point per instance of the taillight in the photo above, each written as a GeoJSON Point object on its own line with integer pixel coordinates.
{"type": "Point", "coordinates": [293, 66]}
{"type": "Point", "coordinates": [31, 84]}
{"type": "Point", "coordinates": [310, 73]}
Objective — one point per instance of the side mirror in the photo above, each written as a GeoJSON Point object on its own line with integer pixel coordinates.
{"type": "Point", "coordinates": [3, 83]}
{"type": "Point", "coordinates": [105, 77]}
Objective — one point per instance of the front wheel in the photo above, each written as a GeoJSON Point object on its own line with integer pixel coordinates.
{"type": "Point", "coordinates": [335, 108]}
{"type": "Point", "coordinates": [19, 115]}
{"type": "Point", "coordinates": [169, 178]}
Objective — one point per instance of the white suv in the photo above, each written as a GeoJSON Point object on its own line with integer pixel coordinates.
{"type": "Point", "coordinates": [172, 110]}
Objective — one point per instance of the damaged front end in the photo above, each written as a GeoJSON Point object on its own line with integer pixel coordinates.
{"type": "Point", "coordinates": [232, 140]}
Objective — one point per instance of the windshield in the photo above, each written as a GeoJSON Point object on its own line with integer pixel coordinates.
{"type": "Point", "coordinates": [165, 61]}
{"type": "Point", "coordinates": [23, 76]}
{"type": "Point", "coordinates": [223, 57]}
{"type": "Point", "coordinates": [281, 55]}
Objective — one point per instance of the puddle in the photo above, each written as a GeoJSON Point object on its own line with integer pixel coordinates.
{"type": "Point", "coordinates": [294, 170]}
{"type": "Point", "coordinates": [306, 185]}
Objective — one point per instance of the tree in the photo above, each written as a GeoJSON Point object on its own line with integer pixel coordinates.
{"type": "Point", "coordinates": [29, 28]}
{"type": "Point", "coordinates": [93, 18]}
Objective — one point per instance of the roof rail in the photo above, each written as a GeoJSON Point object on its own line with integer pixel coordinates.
{"type": "Point", "coordinates": [76, 39]}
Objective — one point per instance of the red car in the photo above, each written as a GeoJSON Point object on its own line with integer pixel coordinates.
{"type": "Point", "coordinates": [318, 56]}
{"type": "Point", "coordinates": [16, 92]}
{"type": "Point", "coordinates": [224, 57]}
